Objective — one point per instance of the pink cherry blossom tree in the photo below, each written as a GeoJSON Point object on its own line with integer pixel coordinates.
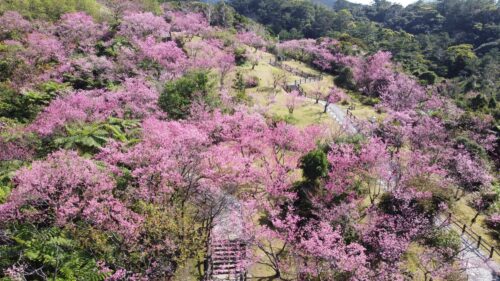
{"type": "Point", "coordinates": [43, 48]}
{"type": "Point", "coordinates": [167, 55]}
{"type": "Point", "coordinates": [137, 99]}
{"type": "Point", "coordinates": [188, 24]}
{"type": "Point", "coordinates": [226, 65]}
{"type": "Point", "coordinates": [374, 74]}
{"type": "Point", "coordinates": [66, 189]}
{"type": "Point", "coordinates": [335, 95]}
{"type": "Point", "coordinates": [78, 31]}
{"type": "Point", "coordinates": [250, 38]}
{"type": "Point", "coordinates": [12, 22]}
{"type": "Point", "coordinates": [293, 100]}
{"type": "Point", "coordinates": [402, 94]}
{"type": "Point", "coordinates": [136, 26]}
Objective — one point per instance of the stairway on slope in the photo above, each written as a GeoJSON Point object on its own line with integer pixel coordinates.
{"type": "Point", "coordinates": [227, 260]}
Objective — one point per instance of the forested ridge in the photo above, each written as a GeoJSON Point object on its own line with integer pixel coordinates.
{"type": "Point", "coordinates": [249, 140]}
{"type": "Point", "coordinates": [455, 39]}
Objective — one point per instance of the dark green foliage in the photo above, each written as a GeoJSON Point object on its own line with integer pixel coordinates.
{"type": "Point", "coordinates": [345, 79]}
{"type": "Point", "coordinates": [239, 55]}
{"type": "Point", "coordinates": [9, 61]}
{"type": "Point", "coordinates": [239, 83]}
{"type": "Point", "coordinates": [90, 138]}
{"type": "Point", "coordinates": [50, 9]}
{"type": "Point", "coordinates": [114, 49]}
{"type": "Point", "coordinates": [314, 165]}
{"type": "Point", "coordinates": [444, 238]}
{"type": "Point", "coordinates": [178, 95]}
{"type": "Point", "coordinates": [478, 102]}
{"type": "Point", "coordinates": [25, 106]}
{"type": "Point", "coordinates": [289, 19]}
{"type": "Point", "coordinates": [428, 78]}
{"type": "Point", "coordinates": [370, 101]}
{"type": "Point", "coordinates": [50, 251]}
{"type": "Point", "coordinates": [303, 204]}
{"type": "Point", "coordinates": [492, 104]}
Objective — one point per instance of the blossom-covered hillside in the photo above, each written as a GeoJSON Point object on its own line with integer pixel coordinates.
{"type": "Point", "coordinates": [182, 141]}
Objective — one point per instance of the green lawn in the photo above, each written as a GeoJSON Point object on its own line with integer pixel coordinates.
{"type": "Point", "coordinates": [305, 114]}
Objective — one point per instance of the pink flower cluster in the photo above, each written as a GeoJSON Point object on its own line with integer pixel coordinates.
{"type": "Point", "coordinates": [65, 189]}
{"type": "Point", "coordinates": [135, 100]}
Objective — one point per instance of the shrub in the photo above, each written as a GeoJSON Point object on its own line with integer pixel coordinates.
{"type": "Point", "coordinates": [25, 106]}
{"type": "Point", "coordinates": [178, 95]}
{"type": "Point", "coordinates": [288, 118]}
{"type": "Point", "coordinates": [345, 79]}
{"type": "Point", "coordinates": [51, 9]}
{"type": "Point", "coordinates": [251, 82]}
{"type": "Point", "coordinates": [444, 238]}
{"type": "Point", "coordinates": [428, 78]}
{"type": "Point", "coordinates": [314, 165]}
{"type": "Point", "coordinates": [478, 102]}
{"type": "Point", "coordinates": [370, 101]}
{"type": "Point", "coordinates": [239, 55]}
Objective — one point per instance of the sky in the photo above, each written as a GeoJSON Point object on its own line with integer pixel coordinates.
{"type": "Point", "coordinates": [402, 2]}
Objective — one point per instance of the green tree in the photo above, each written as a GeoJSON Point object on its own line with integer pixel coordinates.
{"type": "Point", "coordinates": [314, 165]}
{"type": "Point", "coordinates": [478, 102]}
{"type": "Point", "coordinates": [345, 79]}
{"type": "Point", "coordinates": [459, 57]}
{"type": "Point", "coordinates": [178, 95]}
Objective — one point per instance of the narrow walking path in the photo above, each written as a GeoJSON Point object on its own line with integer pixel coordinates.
{"type": "Point", "coordinates": [478, 266]}
{"type": "Point", "coordinates": [227, 245]}
{"type": "Point", "coordinates": [476, 262]}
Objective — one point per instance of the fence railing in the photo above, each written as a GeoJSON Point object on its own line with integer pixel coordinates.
{"type": "Point", "coordinates": [478, 240]}
{"type": "Point", "coordinates": [307, 76]}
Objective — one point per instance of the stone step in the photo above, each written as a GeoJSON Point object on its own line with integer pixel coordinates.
{"type": "Point", "coordinates": [225, 260]}
{"type": "Point", "coordinates": [230, 271]}
{"type": "Point", "coordinates": [227, 253]}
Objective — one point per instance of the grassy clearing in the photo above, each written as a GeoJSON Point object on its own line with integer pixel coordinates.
{"type": "Point", "coordinates": [302, 66]}
{"type": "Point", "coordinates": [305, 114]}
{"type": "Point", "coordinates": [361, 111]}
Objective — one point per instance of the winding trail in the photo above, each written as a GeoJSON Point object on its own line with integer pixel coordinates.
{"type": "Point", "coordinates": [478, 266]}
